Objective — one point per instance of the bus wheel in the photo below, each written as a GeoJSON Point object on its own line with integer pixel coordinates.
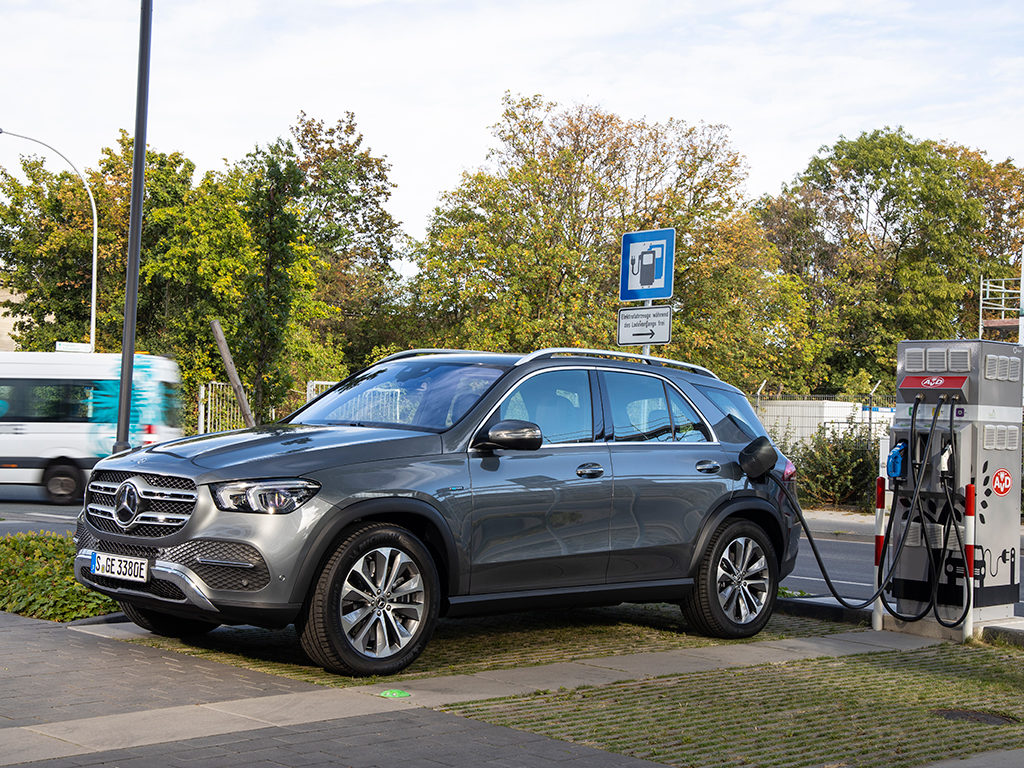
{"type": "Point", "coordinates": [63, 483]}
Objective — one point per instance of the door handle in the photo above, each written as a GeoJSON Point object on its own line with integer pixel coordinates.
{"type": "Point", "coordinates": [589, 470]}
{"type": "Point", "coordinates": [708, 466]}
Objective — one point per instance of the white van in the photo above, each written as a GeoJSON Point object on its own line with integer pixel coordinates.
{"type": "Point", "coordinates": [58, 414]}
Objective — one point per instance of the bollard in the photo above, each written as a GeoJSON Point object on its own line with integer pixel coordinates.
{"type": "Point", "coordinates": [968, 626]}
{"type": "Point", "coordinates": [877, 609]}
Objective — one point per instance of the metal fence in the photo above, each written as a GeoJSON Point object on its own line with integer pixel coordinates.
{"type": "Point", "coordinates": [218, 408]}
{"type": "Point", "coordinates": [792, 419]}
{"type": "Point", "coordinates": [219, 411]}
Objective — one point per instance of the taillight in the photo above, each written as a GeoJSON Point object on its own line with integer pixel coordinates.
{"type": "Point", "coordinates": [790, 471]}
{"type": "Point", "coordinates": [149, 429]}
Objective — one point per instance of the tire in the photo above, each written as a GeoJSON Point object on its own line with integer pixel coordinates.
{"type": "Point", "coordinates": [353, 625]}
{"type": "Point", "coordinates": [165, 624]}
{"type": "Point", "coordinates": [737, 582]}
{"type": "Point", "coordinates": [63, 483]}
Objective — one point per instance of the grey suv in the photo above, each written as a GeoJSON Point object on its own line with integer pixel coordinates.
{"type": "Point", "coordinates": [448, 482]}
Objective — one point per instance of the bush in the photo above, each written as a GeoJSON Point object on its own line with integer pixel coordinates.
{"type": "Point", "coordinates": [838, 466]}
{"type": "Point", "coordinates": [37, 579]}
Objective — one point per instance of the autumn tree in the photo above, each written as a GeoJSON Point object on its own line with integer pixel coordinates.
{"type": "Point", "coordinates": [525, 252]}
{"type": "Point", "coordinates": [889, 236]}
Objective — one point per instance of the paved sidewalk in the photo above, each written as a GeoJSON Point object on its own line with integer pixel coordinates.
{"type": "Point", "coordinates": [77, 696]}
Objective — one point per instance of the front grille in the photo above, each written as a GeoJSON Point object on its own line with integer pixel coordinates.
{"type": "Point", "coordinates": [157, 481]}
{"type": "Point", "coordinates": [128, 550]}
{"type": "Point", "coordinates": [155, 587]}
{"type": "Point", "coordinates": [222, 564]}
{"type": "Point", "coordinates": [165, 503]}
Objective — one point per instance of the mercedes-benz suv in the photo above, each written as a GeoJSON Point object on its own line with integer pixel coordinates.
{"type": "Point", "coordinates": [445, 483]}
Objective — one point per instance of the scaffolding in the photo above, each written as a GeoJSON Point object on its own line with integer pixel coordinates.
{"type": "Point", "coordinates": [1001, 299]}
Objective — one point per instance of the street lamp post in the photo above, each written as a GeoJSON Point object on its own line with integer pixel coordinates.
{"type": "Point", "coordinates": [95, 231]}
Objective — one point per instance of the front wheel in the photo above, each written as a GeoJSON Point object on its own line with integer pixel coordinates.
{"type": "Point", "coordinates": [737, 582]}
{"type": "Point", "coordinates": [374, 605]}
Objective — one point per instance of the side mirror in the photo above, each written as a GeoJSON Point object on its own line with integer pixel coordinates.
{"type": "Point", "coordinates": [758, 458]}
{"type": "Point", "coordinates": [511, 434]}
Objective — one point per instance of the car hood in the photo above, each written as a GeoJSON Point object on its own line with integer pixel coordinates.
{"type": "Point", "coordinates": [275, 450]}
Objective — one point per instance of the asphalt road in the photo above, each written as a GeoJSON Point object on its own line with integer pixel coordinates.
{"type": "Point", "coordinates": [25, 508]}
{"type": "Point", "coordinates": [849, 557]}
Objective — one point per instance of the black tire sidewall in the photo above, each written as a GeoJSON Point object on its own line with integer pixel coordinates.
{"type": "Point", "coordinates": [709, 573]}
{"type": "Point", "coordinates": [67, 470]}
{"type": "Point", "coordinates": [358, 546]}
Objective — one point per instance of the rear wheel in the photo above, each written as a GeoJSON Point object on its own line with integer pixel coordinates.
{"type": "Point", "coordinates": [63, 483]}
{"type": "Point", "coordinates": [374, 605]}
{"type": "Point", "coordinates": [166, 624]}
{"type": "Point", "coordinates": [737, 582]}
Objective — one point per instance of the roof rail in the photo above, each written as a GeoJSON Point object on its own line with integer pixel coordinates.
{"type": "Point", "coordinates": [418, 352]}
{"type": "Point", "coordinates": [649, 359]}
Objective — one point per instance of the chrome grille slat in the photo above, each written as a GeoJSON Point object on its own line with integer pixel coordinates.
{"type": "Point", "coordinates": [166, 503]}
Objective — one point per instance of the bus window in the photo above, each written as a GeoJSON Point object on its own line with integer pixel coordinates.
{"type": "Point", "coordinates": [44, 401]}
{"type": "Point", "coordinates": [7, 408]}
{"type": "Point", "coordinates": [171, 404]}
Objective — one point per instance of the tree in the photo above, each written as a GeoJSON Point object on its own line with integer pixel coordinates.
{"type": "Point", "coordinates": [889, 241]}
{"type": "Point", "coordinates": [525, 252]}
{"type": "Point", "coordinates": [46, 244]}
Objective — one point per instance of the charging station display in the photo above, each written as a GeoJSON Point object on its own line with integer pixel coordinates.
{"type": "Point", "coordinates": [957, 422]}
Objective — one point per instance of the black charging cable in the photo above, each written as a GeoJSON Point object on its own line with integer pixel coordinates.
{"type": "Point", "coordinates": [915, 503]}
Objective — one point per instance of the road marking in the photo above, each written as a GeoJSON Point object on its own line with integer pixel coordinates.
{"type": "Point", "coordinates": [53, 517]}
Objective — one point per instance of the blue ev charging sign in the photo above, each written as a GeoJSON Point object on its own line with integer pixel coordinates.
{"type": "Point", "coordinates": [646, 271]}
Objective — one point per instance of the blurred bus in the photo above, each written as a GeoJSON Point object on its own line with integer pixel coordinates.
{"type": "Point", "coordinates": [58, 414]}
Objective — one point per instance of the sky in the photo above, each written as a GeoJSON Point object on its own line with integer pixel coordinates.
{"type": "Point", "coordinates": [425, 78]}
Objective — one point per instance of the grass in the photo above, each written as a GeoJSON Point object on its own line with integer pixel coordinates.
{"type": "Point", "coordinates": [465, 646]}
{"type": "Point", "coordinates": [867, 710]}
{"type": "Point", "coordinates": [37, 579]}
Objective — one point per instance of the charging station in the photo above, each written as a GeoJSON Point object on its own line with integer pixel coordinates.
{"type": "Point", "coordinates": [956, 441]}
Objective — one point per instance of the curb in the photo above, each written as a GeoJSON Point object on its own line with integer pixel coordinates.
{"type": "Point", "coordinates": [109, 618]}
{"type": "Point", "coordinates": [816, 608]}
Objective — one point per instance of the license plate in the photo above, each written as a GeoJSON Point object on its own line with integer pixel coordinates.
{"type": "Point", "coordinates": [119, 567]}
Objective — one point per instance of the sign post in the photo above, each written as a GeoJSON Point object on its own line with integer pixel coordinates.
{"type": "Point", "coordinates": [646, 274]}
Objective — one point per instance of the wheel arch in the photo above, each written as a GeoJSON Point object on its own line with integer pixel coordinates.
{"type": "Point", "coordinates": [753, 508]}
{"type": "Point", "coordinates": [420, 518]}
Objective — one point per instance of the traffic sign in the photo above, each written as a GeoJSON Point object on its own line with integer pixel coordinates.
{"type": "Point", "coordinates": [647, 261]}
{"type": "Point", "coordinates": [645, 325]}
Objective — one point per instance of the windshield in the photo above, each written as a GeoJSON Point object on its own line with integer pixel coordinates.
{"type": "Point", "coordinates": [417, 394]}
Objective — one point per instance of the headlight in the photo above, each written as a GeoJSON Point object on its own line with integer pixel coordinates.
{"type": "Point", "coordinates": [269, 497]}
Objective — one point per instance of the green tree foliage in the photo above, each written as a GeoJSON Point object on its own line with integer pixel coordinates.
{"type": "Point", "coordinates": [525, 252]}
{"type": "Point", "coordinates": [343, 216]}
{"type": "Point", "coordinates": [889, 236]}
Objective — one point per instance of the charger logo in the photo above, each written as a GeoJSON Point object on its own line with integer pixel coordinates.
{"type": "Point", "coordinates": [933, 381]}
{"type": "Point", "coordinates": [1002, 482]}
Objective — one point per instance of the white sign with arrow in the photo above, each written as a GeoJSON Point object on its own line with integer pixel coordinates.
{"type": "Point", "coordinates": [645, 325]}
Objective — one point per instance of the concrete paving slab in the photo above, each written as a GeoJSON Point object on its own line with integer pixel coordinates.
{"type": "Point", "coordinates": [437, 691]}
{"type": "Point", "coordinates": [893, 641]}
{"type": "Point", "coordinates": [813, 647]}
{"type": "Point", "coordinates": [155, 726]}
{"type": "Point", "coordinates": [656, 664]}
{"type": "Point", "coordinates": [312, 707]}
{"type": "Point", "coordinates": [561, 674]}
{"type": "Point", "coordinates": [21, 745]}
{"type": "Point", "coordinates": [1007, 758]}
{"type": "Point", "coordinates": [123, 631]}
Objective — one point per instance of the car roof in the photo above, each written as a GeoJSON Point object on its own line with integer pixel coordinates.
{"type": "Point", "coordinates": [610, 357]}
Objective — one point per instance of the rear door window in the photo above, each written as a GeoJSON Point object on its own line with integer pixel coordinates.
{"type": "Point", "coordinates": [645, 409]}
